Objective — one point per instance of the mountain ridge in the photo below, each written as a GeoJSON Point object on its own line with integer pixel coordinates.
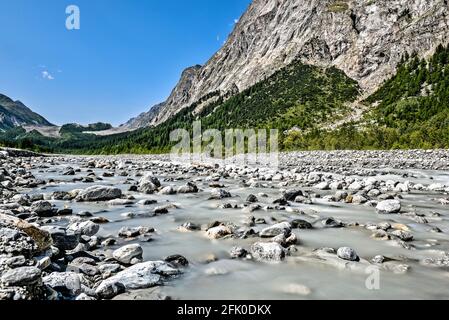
{"type": "Point", "coordinates": [16, 114]}
{"type": "Point", "coordinates": [364, 38]}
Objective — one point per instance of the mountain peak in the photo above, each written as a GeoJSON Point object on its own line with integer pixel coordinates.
{"type": "Point", "coordinates": [365, 39]}
{"type": "Point", "coordinates": [15, 114]}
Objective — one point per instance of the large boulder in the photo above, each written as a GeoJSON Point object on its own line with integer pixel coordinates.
{"type": "Point", "coordinates": [389, 207]}
{"type": "Point", "coordinates": [218, 194]}
{"type": "Point", "coordinates": [128, 254]}
{"type": "Point", "coordinates": [348, 254]}
{"type": "Point", "coordinates": [62, 239]}
{"type": "Point", "coordinates": [290, 195]}
{"type": "Point", "coordinates": [141, 276]}
{"type": "Point", "coordinates": [99, 193]}
{"type": "Point", "coordinates": [188, 188]}
{"type": "Point", "coordinates": [284, 228]}
{"type": "Point", "coordinates": [267, 251]}
{"type": "Point", "coordinates": [85, 228]}
{"type": "Point", "coordinates": [67, 283]}
{"type": "Point", "coordinates": [218, 232]}
{"type": "Point", "coordinates": [42, 208]}
{"type": "Point", "coordinates": [21, 277]}
{"type": "Point", "coordinates": [149, 184]}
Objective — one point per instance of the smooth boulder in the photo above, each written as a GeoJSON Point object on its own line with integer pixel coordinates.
{"type": "Point", "coordinates": [99, 193]}
{"type": "Point", "coordinates": [128, 254]}
{"type": "Point", "coordinates": [267, 251]}
{"type": "Point", "coordinates": [389, 207]}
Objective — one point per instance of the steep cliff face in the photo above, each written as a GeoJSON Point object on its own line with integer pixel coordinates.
{"type": "Point", "coordinates": [364, 38]}
{"type": "Point", "coordinates": [181, 94]}
{"type": "Point", "coordinates": [144, 118]}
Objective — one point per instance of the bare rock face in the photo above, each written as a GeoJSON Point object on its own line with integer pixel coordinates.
{"type": "Point", "coordinates": [364, 38]}
{"type": "Point", "coordinates": [144, 118]}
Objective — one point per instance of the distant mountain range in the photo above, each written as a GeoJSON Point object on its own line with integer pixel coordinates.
{"type": "Point", "coordinates": [15, 114]}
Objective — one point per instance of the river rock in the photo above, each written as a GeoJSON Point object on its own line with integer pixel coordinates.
{"type": "Point", "coordinates": [87, 228]}
{"type": "Point", "coordinates": [188, 188]}
{"type": "Point", "coordinates": [284, 228]}
{"type": "Point", "coordinates": [290, 195]}
{"type": "Point", "coordinates": [61, 238]}
{"type": "Point", "coordinates": [168, 190]}
{"type": "Point", "coordinates": [252, 199]}
{"type": "Point", "coordinates": [128, 254]}
{"type": "Point", "coordinates": [389, 207]}
{"type": "Point", "coordinates": [268, 251]}
{"type": "Point", "coordinates": [403, 235]}
{"type": "Point", "coordinates": [42, 208]}
{"type": "Point", "coordinates": [149, 184]}
{"type": "Point", "coordinates": [67, 283]}
{"type": "Point", "coordinates": [301, 224]}
{"type": "Point", "coordinates": [238, 252]}
{"type": "Point", "coordinates": [141, 276]}
{"type": "Point", "coordinates": [218, 194]}
{"type": "Point", "coordinates": [347, 253]}
{"type": "Point", "coordinates": [21, 277]}
{"type": "Point", "coordinates": [218, 232]}
{"type": "Point", "coordinates": [99, 193]}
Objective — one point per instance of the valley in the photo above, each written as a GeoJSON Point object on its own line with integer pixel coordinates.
{"type": "Point", "coordinates": [358, 207]}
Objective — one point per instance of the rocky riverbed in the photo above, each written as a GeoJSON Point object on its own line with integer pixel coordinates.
{"type": "Point", "coordinates": [324, 225]}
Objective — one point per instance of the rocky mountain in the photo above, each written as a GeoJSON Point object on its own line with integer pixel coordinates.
{"type": "Point", "coordinates": [180, 94]}
{"type": "Point", "coordinates": [143, 119]}
{"type": "Point", "coordinates": [15, 114]}
{"type": "Point", "coordinates": [364, 38]}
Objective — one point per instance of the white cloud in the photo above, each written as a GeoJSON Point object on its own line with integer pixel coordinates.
{"type": "Point", "coordinates": [236, 21]}
{"type": "Point", "coordinates": [46, 75]}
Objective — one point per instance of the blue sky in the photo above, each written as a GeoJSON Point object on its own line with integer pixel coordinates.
{"type": "Point", "coordinates": [126, 57]}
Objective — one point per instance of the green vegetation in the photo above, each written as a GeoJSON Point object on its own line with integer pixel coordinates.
{"type": "Point", "coordinates": [74, 128]}
{"type": "Point", "coordinates": [296, 96]}
{"type": "Point", "coordinates": [411, 111]}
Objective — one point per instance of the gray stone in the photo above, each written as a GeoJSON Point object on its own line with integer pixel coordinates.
{"type": "Point", "coordinates": [141, 276]}
{"type": "Point", "coordinates": [290, 195]}
{"type": "Point", "coordinates": [268, 251]}
{"type": "Point", "coordinates": [62, 239]}
{"type": "Point", "coordinates": [389, 207]}
{"type": "Point", "coordinates": [20, 277]}
{"type": "Point", "coordinates": [238, 252]}
{"type": "Point", "coordinates": [168, 190]}
{"type": "Point", "coordinates": [346, 253]}
{"type": "Point", "coordinates": [42, 208]}
{"type": "Point", "coordinates": [283, 228]}
{"type": "Point", "coordinates": [87, 228]}
{"type": "Point", "coordinates": [218, 194]}
{"type": "Point", "coordinates": [99, 193]}
{"type": "Point", "coordinates": [403, 235]}
{"type": "Point", "coordinates": [128, 254]}
{"type": "Point", "coordinates": [218, 232]}
{"type": "Point", "coordinates": [188, 188]}
{"type": "Point", "coordinates": [67, 283]}
{"type": "Point", "coordinates": [149, 184]}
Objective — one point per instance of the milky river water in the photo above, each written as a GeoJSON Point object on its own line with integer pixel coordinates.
{"type": "Point", "coordinates": [246, 279]}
